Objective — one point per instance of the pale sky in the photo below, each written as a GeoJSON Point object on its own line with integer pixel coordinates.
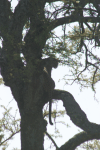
{"type": "Point", "coordinates": [85, 99]}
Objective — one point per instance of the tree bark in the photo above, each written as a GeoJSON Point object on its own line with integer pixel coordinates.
{"type": "Point", "coordinates": [32, 129]}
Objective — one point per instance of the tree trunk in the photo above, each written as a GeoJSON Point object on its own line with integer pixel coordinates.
{"type": "Point", "coordinates": [33, 124]}
{"type": "Point", "coordinates": [32, 133]}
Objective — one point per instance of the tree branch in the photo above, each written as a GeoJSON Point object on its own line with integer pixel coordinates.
{"type": "Point", "coordinates": [19, 18]}
{"type": "Point", "coordinates": [51, 139]}
{"type": "Point", "coordinates": [78, 139]}
{"type": "Point", "coordinates": [5, 14]}
{"type": "Point", "coordinates": [71, 19]}
{"type": "Point", "coordinates": [76, 114]}
{"type": "Point", "coordinates": [9, 137]}
{"type": "Point", "coordinates": [51, 1]}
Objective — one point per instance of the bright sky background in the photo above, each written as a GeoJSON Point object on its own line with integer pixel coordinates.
{"type": "Point", "coordinates": [85, 99]}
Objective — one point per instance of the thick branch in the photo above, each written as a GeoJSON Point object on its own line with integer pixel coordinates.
{"type": "Point", "coordinates": [78, 139]}
{"type": "Point", "coordinates": [71, 19]}
{"type": "Point", "coordinates": [76, 114]}
{"type": "Point", "coordinates": [19, 18]}
{"type": "Point", "coordinates": [51, 1]}
{"type": "Point", "coordinates": [5, 14]}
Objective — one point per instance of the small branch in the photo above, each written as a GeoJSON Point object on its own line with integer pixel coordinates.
{"type": "Point", "coordinates": [93, 78]}
{"type": "Point", "coordinates": [51, 140]}
{"type": "Point", "coordinates": [9, 138]}
{"type": "Point", "coordinates": [88, 26]}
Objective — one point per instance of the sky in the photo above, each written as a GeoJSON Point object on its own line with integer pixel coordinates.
{"type": "Point", "coordinates": [85, 99]}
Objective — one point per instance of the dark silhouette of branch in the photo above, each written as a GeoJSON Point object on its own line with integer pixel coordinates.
{"type": "Point", "coordinates": [76, 114]}
{"type": "Point", "coordinates": [51, 139]}
{"type": "Point", "coordinates": [9, 137]}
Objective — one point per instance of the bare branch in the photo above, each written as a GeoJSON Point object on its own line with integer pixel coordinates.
{"type": "Point", "coordinates": [78, 139]}
{"type": "Point", "coordinates": [72, 18]}
{"type": "Point", "coordinates": [51, 139]}
{"type": "Point", "coordinates": [9, 137]}
{"type": "Point", "coordinates": [76, 114]}
{"type": "Point", "coordinates": [94, 78]}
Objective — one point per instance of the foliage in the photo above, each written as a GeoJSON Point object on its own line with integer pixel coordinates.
{"type": "Point", "coordinates": [91, 145]}
{"type": "Point", "coordinates": [9, 126]}
{"type": "Point", "coordinates": [1, 81]}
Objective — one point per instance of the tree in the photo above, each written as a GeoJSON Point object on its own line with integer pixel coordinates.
{"type": "Point", "coordinates": [91, 145]}
{"type": "Point", "coordinates": [8, 124]}
{"type": "Point", "coordinates": [25, 75]}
